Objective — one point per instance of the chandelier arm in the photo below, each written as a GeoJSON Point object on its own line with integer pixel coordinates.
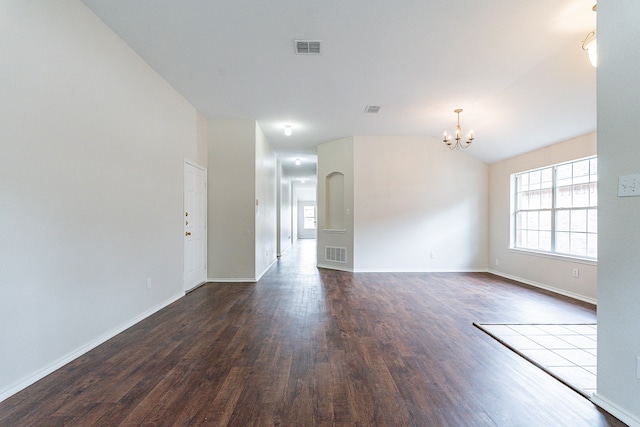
{"type": "Point", "coordinates": [588, 38]}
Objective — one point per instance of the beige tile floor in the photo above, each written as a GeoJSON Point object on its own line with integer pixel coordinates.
{"type": "Point", "coordinates": [566, 351]}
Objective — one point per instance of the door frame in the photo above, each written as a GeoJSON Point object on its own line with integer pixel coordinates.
{"type": "Point", "coordinates": [189, 287]}
{"type": "Point", "coordinates": [301, 233]}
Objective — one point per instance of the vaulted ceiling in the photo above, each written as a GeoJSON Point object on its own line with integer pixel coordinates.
{"type": "Point", "coordinates": [516, 67]}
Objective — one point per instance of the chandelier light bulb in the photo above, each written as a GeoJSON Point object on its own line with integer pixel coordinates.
{"type": "Point", "coordinates": [592, 50]}
{"type": "Point", "coordinates": [590, 45]}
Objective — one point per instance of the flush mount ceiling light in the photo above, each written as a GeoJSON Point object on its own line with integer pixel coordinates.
{"type": "Point", "coordinates": [457, 144]}
{"type": "Point", "coordinates": [298, 162]}
{"type": "Point", "coordinates": [589, 44]}
{"type": "Point", "coordinates": [288, 130]}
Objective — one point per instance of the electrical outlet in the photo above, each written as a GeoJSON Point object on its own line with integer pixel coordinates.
{"type": "Point", "coordinates": [576, 273]}
{"type": "Point", "coordinates": [149, 283]}
{"type": "Point", "coordinates": [432, 255]}
{"type": "Point", "coordinates": [497, 261]}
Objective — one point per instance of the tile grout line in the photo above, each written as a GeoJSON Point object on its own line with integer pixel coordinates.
{"type": "Point", "coordinates": [532, 331]}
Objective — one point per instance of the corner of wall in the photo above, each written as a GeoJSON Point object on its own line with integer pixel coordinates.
{"type": "Point", "coordinates": [336, 156]}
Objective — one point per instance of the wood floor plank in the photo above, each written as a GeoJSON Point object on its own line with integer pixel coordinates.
{"type": "Point", "coordinates": [316, 347]}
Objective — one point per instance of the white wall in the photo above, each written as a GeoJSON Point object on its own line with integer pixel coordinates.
{"type": "Point", "coordinates": [284, 212]}
{"type": "Point", "coordinates": [414, 197]}
{"type": "Point", "coordinates": [231, 200]}
{"type": "Point", "coordinates": [551, 273]}
{"type": "Point", "coordinates": [266, 221]}
{"type": "Point", "coordinates": [91, 182]}
{"type": "Point", "coordinates": [199, 153]}
{"type": "Point", "coordinates": [335, 156]}
{"type": "Point", "coordinates": [619, 217]}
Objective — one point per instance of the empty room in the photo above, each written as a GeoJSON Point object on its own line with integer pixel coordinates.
{"type": "Point", "coordinates": [384, 213]}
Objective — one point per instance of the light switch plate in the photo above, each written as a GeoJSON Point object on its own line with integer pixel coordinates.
{"type": "Point", "coordinates": [629, 185]}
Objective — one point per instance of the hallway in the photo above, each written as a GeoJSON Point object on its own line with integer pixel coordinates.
{"type": "Point", "coordinates": [307, 346]}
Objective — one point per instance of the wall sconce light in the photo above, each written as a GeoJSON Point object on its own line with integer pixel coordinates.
{"type": "Point", "coordinates": [287, 130]}
{"type": "Point", "coordinates": [298, 162]}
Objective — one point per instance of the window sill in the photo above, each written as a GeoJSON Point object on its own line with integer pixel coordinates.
{"type": "Point", "coordinates": [558, 257]}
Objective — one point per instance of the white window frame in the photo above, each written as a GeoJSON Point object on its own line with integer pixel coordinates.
{"type": "Point", "coordinates": [556, 229]}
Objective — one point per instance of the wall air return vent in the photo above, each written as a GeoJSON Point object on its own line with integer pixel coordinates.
{"type": "Point", "coordinates": [371, 109]}
{"type": "Point", "coordinates": [335, 254]}
{"type": "Point", "coordinates": [307, 47]}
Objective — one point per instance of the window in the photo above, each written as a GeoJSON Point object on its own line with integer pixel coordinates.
{"type": "Point", "coordinates": [555, 209]}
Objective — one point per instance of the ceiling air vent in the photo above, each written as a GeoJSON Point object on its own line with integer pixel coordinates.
{"type": "Point", "coordinates": [371, 109]}
{"type": "Point", "coordinates": [307, 47]}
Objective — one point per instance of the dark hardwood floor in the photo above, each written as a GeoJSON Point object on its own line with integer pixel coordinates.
{"type": "Point", "coordinates": [305, 347]}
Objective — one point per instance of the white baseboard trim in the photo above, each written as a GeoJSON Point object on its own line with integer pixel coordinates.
{"type": "Point", "coordinates": [188, 291]}
{"type": "Point", "coordinates": [385, 270]}
{"type": "Point", "coordinates": [615, 410]}
{"type": "Point", "coordinates": [266, 269]}
{"type": "Point", "coordinates": [240, 279]}
{"type": "Point", "coordinates": [36, 376]}
{"type": "Point", "coordinates": [392, 270]}
{"type": "Point", "coordinates": [335, 267]}
{"type": "Point", "coordinates": [546, 287]}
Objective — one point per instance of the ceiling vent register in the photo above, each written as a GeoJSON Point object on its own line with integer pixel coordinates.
{"type": "Point", "coordinates": [308, 47]}
{"type": "Point", "coordinates": [371, 109]}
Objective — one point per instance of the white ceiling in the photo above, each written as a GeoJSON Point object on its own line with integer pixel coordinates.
{"type": "Point", "coordinates": [516, 67]}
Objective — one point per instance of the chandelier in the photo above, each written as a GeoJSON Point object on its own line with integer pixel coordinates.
{"type": "Point", "coordinates": [589, 44]}
{"type": "Point", "coordinates": [458, 144]}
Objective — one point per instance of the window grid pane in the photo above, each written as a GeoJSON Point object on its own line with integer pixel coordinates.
{"type": "Point", "coordinates": [556, 209]}
{"type": "Point", "coordinates": [309, 217]}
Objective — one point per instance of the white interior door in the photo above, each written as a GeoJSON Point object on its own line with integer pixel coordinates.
{"type": "Point", "coordinates": [307, 220]}
{"type": "Point", "coordinates": [195, 226]}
